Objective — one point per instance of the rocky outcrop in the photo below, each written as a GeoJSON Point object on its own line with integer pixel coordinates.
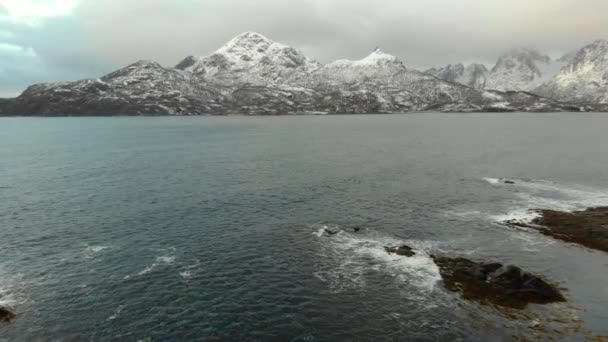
{"type": "Point", "coordinates": [401, 250]}
{"type": "Point", "coordinates": [495, 283]}
{"type": "Point", "coordinates": [587, 227]}
{"type": "Point", "coordinates": [331, 229]}
{"type": "Point", "coordinates": [6, 315]}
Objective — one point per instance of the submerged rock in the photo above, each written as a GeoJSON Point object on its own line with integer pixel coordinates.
{"type": "Point", "coordinates": [401, 250]}
{"type": "Point", "coordinates": [6, 315]}
{"type": "Point", "coordinates": [332, 230]}
{"type": "Point", "coordinates": [495, 283]}
{"type": "Point", "coordinates": [356, 229]}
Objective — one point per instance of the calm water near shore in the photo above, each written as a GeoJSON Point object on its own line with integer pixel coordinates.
{"type": "Point", "coordinates": [210, 228]}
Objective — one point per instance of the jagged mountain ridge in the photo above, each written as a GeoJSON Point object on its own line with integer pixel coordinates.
{"type": "Point", "coordinates": [584, 78]}
{"type": "Point", "coordinates": [474, 75]}
{"type": "Point", "coordinates": [520, 69]}
{"type": "Point", "coordinates": [254, 75]}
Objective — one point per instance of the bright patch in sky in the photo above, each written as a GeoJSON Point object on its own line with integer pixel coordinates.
{"type": "Point", "coordinates": [29, 11]}
{"type": "Point", "coordinates": [11, 49]}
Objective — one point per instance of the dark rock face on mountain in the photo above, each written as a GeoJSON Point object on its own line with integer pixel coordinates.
{"type": "Point", "coordinates": [254, 75]}
{"type": "Point", "coordinates": [474, 75]}
{"type": "Point", "coordinates": [494, 283]}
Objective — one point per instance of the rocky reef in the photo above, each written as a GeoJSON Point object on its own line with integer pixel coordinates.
{"type": "Point", "coordinates": [586, 227]}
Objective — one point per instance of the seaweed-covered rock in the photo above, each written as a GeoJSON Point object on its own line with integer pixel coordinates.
{"type": "Point", "coordinates": [587, 227]}
{"type": "Point", "coordinates": [504, 285]}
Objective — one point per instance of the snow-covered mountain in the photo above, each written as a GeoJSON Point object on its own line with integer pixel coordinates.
{"type": "Point", "coordinates": [251, 58]}
{"type": "Point", "coordinates": [522, 69]}
{"type": "Point", "coordinates": [253, 75]}
{"type": "Point", "coordinates": [473, 75]}
{"type": "Point", "coordinates": [584, 78]}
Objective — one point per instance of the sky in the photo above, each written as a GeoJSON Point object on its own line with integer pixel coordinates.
{"type": "Point", "coordinates": [62, 40]}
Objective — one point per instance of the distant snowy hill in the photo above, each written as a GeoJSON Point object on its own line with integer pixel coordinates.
{"type": "Point", "coordinates": [252, 74]}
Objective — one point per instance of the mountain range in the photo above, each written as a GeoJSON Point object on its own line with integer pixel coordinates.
{"type": "Point", "coordinates": [578, 77]}
{"type": "Point", "coordinates": [252, 74]}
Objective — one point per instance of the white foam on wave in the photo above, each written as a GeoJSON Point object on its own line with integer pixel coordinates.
{"type": "Point", "coordinates": [492, 180]}
{"type": "Point", "coordinates": [166, 259]}
{"type": "Point", "coordinates": [116, 313]}
{"type": "Point", "coordinates": [187, 271]}
{"type": "Point", "coordinates": [147, 269]}
{"type": "Point", "coordinates": [12, 290]}
{"type": "Point", "coordinates": [319, 232]}
{"type": "Point", "coordinates": [95, 249]}
{"type": "Point", "coordinates": [543, 194]}
{"type": "Point", "coordinates": [522, 215]}
{"type": "Point", "coordinates": [352, 255]}
{"type": "Point", "coordinates": [161, 260]}
{"type": "Point", "coordinates": [91, 251]}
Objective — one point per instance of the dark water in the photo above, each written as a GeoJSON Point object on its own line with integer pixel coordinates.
{"type": "Point", "coordinates": [208, 228]}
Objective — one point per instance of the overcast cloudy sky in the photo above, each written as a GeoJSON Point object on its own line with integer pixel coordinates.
{"type": "Point", "coordinates": [45, 40]}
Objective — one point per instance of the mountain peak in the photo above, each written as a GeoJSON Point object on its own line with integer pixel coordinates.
{"type": "Point", "coordinates": [251, 57]}
{"type": "Point", "coordinates": [378, 56]}
{"type": "Point", "coordinates": [524, 54]}
{"type": "Point", "coordinates": [249, 39]}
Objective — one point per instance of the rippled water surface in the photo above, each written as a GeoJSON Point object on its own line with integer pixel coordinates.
{"type": "Point", "coordinates": [210, 228]}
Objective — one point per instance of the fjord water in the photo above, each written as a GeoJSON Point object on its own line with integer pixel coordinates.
{"type": "Point", "coordinates": [210, 228]}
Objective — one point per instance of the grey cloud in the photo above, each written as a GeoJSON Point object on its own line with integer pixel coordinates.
{"type": "Point", "coordinates": [422, 33]}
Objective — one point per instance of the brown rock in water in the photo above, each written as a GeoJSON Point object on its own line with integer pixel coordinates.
{"type": "Point", "coordinates": [6, 315]}
{"type": "Point", "coordinates": [588, 227]}
{"type": "Point", "coordinates": [402, 250]}
{"type": "Point", "coordinates": [495, 283]}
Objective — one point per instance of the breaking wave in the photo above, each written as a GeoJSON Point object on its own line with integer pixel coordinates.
{"type": "Point", "coordinates": [350, 256]}
{"type": "Point", "coordinates": [532, 195]}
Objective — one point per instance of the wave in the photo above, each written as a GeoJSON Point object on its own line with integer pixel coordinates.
{"type": "Point", "coordinates": [12, 291]}
{"type": "Point", "coordinates": [116, 313]}
{"type": "Point", "coordinates": [161, 260]}
{"type": "Point", "coordinates": [541, 194]}
{"type": "Point", "coordinates": [350, 256]}
{"type": "Point", "coordinates": [91, 251]}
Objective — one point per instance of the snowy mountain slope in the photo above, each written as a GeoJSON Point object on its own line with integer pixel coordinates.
{"type": "Point", "coordinates": [522, 69]}
{"type": "Point", "coordinates": [251, 58]}
{"type": "Point", "coordinates": [474, 75]}
{"type": "Point", "coordinates": [253, 75]}
{"type": "Point", "coordinates": [584, 78]}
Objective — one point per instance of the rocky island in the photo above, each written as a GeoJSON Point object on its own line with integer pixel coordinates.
{"type": "Point", "coordinates": [587, 227]}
